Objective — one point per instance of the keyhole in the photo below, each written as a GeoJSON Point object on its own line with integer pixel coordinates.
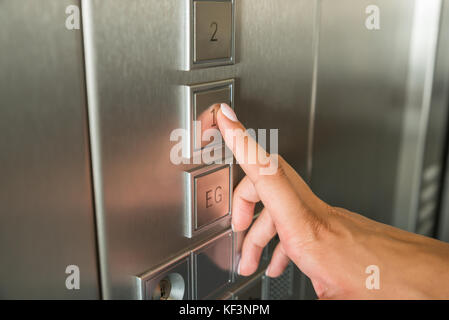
{"type": "Point", "coordinates": [165, 288]}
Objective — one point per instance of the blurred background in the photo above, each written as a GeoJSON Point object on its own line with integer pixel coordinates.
{"type": "Point", "coordinates": [357, 88]}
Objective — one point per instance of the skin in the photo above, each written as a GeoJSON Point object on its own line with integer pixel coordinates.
{"type": "Point", "coordinates": [332, 246]}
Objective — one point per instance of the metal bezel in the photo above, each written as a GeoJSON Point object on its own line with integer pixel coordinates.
{"type": "Point", "coordinates": [190, 63]}
{"type": "Point", "coordinates": [189, 150]}
{"type": "Point", "coordinates": [199, 250]}
{"type": "Point", "coordinates": [190, 229]}
{"type": "Point", "coordinates": [142, 280]}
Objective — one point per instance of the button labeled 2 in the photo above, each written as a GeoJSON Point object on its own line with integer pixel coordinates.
{"type": "Point", "coordinates": [211, 33]}
{"type": "Point", "coordinates": [208, 197]}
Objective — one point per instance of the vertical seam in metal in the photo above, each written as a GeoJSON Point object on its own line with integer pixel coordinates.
{"type": "Point", "coordinates": [423, 124]}
{"type": "Point", "coordinates": [89, 156]}
{"type": "Point", "coordinates": [316, 47]}
{"type": "Point", "coordinates": [95, 144]}
{"type": "Point", "coordinates": [311, 130]}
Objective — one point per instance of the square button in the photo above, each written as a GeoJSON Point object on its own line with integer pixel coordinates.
{"type": "Point", "coordinates": [202, 106]}
{"type": "Point", "coordinates": [212, 196]}
{"type": "Point", "coordinates": [208, 198]}
{"type": "Point", "coordinates": [213, 266]}
{"type": "Point", "coordinates": [211, 33]}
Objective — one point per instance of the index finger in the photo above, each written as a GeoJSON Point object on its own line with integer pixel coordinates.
{"type": "Point", "coordinates": [288, 211]}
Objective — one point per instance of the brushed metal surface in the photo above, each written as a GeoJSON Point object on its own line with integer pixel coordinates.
{"type": "Point", "coordinates": [360, 103]}
{"type": "Point", "coordinates": [212, 30]}
{"type": "Point", "coordinates": [133, 55]}
{"type": "Point", "coordinates": [47, 218]}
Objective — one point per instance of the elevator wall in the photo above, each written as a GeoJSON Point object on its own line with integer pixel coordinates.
{"type": "Point", "coordinates": [46, 210]}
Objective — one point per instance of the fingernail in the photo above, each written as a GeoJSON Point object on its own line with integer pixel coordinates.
{"type": "Point", "coordinates": [267, 271]}
{"type": "Point", "coordinates": [232, 227]}
{"type": "Point", "coordinates": [228, 112]}
{"type": "Point", "coordinates": [238, 269]}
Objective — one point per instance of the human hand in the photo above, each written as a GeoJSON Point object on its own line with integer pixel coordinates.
{"type": "Point", "coordinates": [332, 246]}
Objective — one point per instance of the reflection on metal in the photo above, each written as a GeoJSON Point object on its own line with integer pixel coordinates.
{"type": "Point", "coordinates": [46, 208]}
{"type": "Point", "coordinates": [250, 290]}
{"type": "Point", "coordinates": [440, 103]}
{"type": "Point", "coordinates": [212, 266]}
{"type": "Point", "coordinates": [361, 81]}
{"type": "Point", "coordinates": [422, 59]}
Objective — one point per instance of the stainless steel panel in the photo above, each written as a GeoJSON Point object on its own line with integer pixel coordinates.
{"type": "Point", "coordinates": [208, 197]}
{"type": "Point", "coordinates": [47, 218]}
{"type": "Point", "coordinates": [212, 30]}
{"type": "Point", "coordinates": [212, 266]}
{"type": "Point", "coordinates": [360, 105]}
{"type": "Point", "coordinates": [133, 59]}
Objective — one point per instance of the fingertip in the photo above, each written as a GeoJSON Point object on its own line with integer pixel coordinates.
{"type": "Point", "coordinates": [228, 112]}
{"type": "Point", "coordinates": [267, 271]}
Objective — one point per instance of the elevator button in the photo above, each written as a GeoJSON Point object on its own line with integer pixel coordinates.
{"type": "Point", "coordinates": [211, 32]}
{"type": "Point", "coordinates": [212, 196]}
{"type": "Point", "coordinates": [212, 266]}
{"type": "Point", "coordinates": [208, 197]}
{"type": "Point", "coordinates": [203, 101]}
{"type": "Point", "coordinates": [206, 108]}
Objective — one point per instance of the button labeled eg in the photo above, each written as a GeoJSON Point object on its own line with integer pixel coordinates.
{"type": "Point", "coordinates": [208, 197]}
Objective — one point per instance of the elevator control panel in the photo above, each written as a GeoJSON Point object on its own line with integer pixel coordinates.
{"type": "Point", "coordinates": [200, 273]}
{"type": "Point", "coordinates": [208, 197]}
{"type": "Point", "coordinates": [211, 40]}
{"type": "Point", "coordinates": [203, 102]}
